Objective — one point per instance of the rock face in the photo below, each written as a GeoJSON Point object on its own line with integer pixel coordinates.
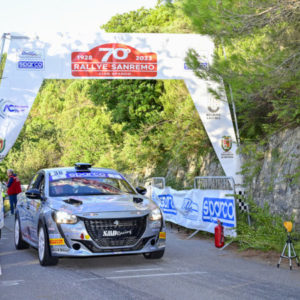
{"type": "Point", "coordinates": [276, 179]}
{"type": "Point", "coordinates": [272, 172]}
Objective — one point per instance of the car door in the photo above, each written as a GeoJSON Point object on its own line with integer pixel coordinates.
{"type": "Point", "coordinates": [34, 207]}
{"type": "Point", "coordinates": [23, 211]}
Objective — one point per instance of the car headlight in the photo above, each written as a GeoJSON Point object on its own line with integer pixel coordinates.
{"type": "Point", "coordinates": [155, 215]}
{"type": "Point", "coordinates": [63, 217]}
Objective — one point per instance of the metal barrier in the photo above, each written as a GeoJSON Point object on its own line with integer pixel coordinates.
{"type": "Point", "coordinates": [158, 182]}
{"type": "Point", "coordinates": [214, 183]}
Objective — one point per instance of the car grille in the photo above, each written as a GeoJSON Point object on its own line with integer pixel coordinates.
{"type": "Point", "coordinates": [138, 246]}
{"type": "Point", "coordinates": [116, 232]}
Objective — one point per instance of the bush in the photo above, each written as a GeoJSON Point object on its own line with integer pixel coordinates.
{"type": "Point", "coordinates": [266, 231]}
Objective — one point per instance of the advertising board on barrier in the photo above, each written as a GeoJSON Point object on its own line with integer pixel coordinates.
{"type": "Point", "coordinates": [219, 209]}
{"type": "Point", "coordinates": [198, 209]}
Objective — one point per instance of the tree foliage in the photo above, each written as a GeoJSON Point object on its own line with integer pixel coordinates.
{"type": "Point", "coordinates": [3, 60]}
{"type": "Point", "coordinates": [258, 55]}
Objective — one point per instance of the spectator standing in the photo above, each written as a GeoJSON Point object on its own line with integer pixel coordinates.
{"type": "Point", "coordinates": [13, 189]}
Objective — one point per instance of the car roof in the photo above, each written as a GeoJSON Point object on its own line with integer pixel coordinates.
{"type": "Point", "coordinates": [73, 169]}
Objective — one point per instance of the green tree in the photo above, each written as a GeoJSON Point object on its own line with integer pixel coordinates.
{"type": "Point", "coordinates": [257, 54]}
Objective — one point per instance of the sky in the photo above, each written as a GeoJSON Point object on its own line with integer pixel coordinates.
{"type": "Point", "coordinates": [37, 16]}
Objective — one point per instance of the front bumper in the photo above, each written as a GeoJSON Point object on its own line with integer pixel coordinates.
{"type": "Point", "coordinates": [74, 240]}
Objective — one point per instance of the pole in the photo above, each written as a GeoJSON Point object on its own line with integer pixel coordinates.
{"type": "Point", "coordinates": [3, 38]}
{"type": "Point", "coordinates": [233, 105]}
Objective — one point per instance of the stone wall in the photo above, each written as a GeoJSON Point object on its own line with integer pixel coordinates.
{"type": "Point", "coordinates": [272, 172]}
{"type": "Point", "coordinates": [274, 176]}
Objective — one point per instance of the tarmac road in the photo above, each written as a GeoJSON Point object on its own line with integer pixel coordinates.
{"type": "Point", "coordinates": [190, 269]}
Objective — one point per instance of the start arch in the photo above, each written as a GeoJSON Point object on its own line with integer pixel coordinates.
{"type": "Point", "coordinates": [31, 59]}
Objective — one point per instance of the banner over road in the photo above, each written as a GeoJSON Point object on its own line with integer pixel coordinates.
{"type": "Point", "coordinates": [30, 60]}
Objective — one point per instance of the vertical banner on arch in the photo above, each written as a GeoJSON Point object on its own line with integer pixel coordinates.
{"type": "Point", "coordinates": [22, 78]}
{"type": "Point", "coordinates": [216, 118]}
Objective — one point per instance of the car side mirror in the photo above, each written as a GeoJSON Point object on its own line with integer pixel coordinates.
{"type": "Point", "coordinates": [33, 194]}
{"type": "Point", "coordinates": [141, 190]}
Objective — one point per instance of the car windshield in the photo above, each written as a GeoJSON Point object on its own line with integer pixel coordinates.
{"type": "Point", "coordinates": [87, 184]}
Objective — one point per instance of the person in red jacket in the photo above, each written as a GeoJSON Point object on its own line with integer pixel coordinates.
{"type": "Point", "coordinates": [13, 189]}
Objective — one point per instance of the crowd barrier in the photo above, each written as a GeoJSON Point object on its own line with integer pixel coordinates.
{"type": "Point", "coordinates": [196, 209]}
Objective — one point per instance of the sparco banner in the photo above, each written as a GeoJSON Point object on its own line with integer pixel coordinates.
{"type": "Point", "coordinates": [31, 59]}
{"type": "Point", "coordinates": [198, 209]}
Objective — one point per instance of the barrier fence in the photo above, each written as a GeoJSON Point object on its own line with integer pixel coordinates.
{"type": "Point", "coordinates": [213, 198]}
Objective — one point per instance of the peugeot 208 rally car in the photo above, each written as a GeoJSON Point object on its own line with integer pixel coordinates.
{"type": "Point", "coordinates": [84, 211]}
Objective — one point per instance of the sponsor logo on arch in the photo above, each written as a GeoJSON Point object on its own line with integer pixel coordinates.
{"type": "Point", "coordinates": [30, 59]}
{"type": "Point", "coordinates": [8, 109]}
{"type": "Point", "coordinates": [213, 107]}
{"type": "Point", "coordinates": [226, 143]}
{"type": "Point", "coordinates": [2, 145]}
{"type": "Point", "coordinates": [219, 209]}
{"type": "Point", "coordinates": [114, 60]}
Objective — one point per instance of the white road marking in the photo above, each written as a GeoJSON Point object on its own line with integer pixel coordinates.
{"type": "Point", "coordinates": [142, 275]}
{"type": "Point", "coordinates": [22, 263]}
{"type": "Point", "coordinates": [155, 275]}
{"type": "Point", "coordinates": [138, 270]}
{"type": "Point", "coordinates": [10, 282]}
{"type": "Point", "coordinates": [88, 279]}
{"type": "Point", "coordinates": [11, 230]}
{"type": "Point", "coordinates": [8, 252]}
{"type": "Point", "coordinates": [0, 270]}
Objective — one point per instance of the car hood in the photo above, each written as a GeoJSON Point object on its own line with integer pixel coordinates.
{"type": "Point", "coordinates": [93, 205]}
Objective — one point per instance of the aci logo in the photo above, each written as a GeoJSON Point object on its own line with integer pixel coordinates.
{"type": "Point", "coordinates": [221, 209]}
{"type": "Point", "coordinates": [2, 145]}
{"type": "Point", "coordinates": [190, 209]}
{"type": "Point", "coordinates": [8, 109]}
{"type": "Point", "coordinates": [167, 204]}
{"type": "Point", "coordinates": [226, 143]}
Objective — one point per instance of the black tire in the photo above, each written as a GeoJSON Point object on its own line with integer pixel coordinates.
{"type": "Point", "coordinates": [19, 242]}
{"type": "Point", "coordinates": [154, 255]}
{"type": "Point", "coordinates": [44, 253]}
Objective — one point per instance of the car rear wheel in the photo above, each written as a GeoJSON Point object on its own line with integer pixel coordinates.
{"type": "Point", "coordinates": [19, 243]}
{"type": "Point", "coordinates": [154, 255]}
{"type": "Point", "coordinates": [45, 257]}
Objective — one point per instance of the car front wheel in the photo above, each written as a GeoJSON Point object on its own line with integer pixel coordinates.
{"type": "Point", "coordinates": [154, 255]}
{"type": "Point", "coordinates": [45, 257]}
{"type": "Point", "coordinates": [19, 243]}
